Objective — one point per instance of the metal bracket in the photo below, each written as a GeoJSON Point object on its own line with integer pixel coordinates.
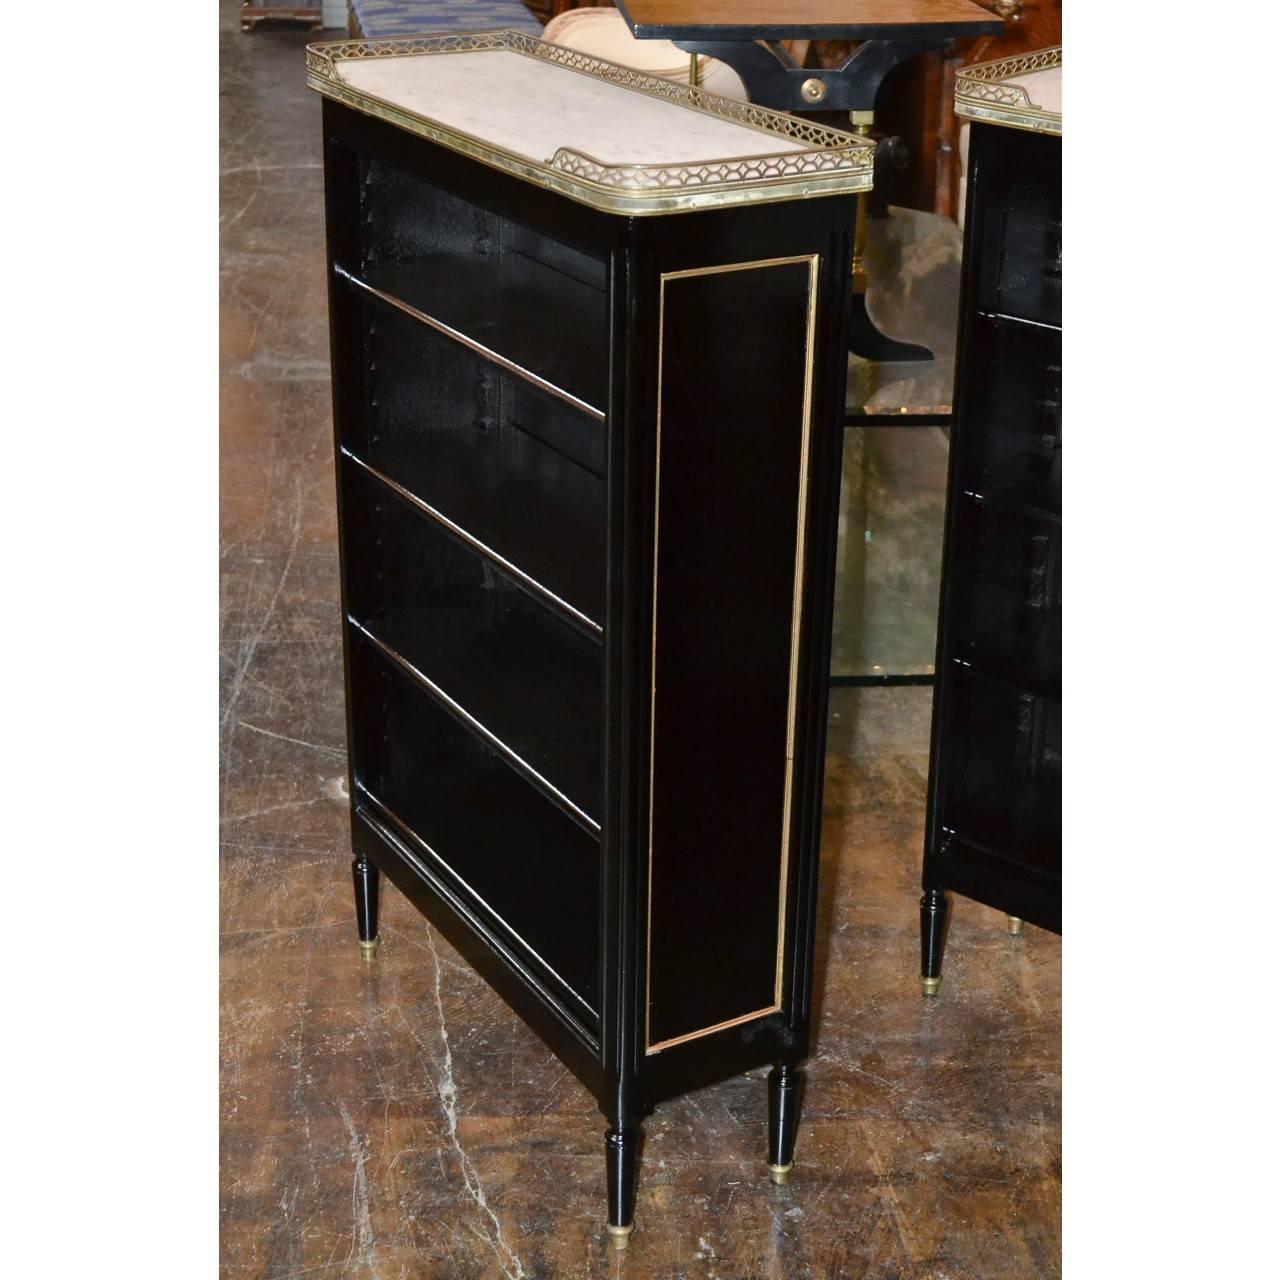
{"type": "Point", "coordinates": [867, 341]}
{"type": "Point", "coordinates": [773, 78]}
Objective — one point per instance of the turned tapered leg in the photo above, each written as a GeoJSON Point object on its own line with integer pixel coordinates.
{"type": "Point", "coordinates": [366, 877]}
{"type": "Point", "coordinates": [933, 934]}
{"type": "Point", "coordinates": [620, 1148]}
{"type": "Point", "coordinates": [784, 1112]}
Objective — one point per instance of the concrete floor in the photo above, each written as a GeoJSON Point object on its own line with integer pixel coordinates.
{"type": "Point", "coordinates": [397, 1120]}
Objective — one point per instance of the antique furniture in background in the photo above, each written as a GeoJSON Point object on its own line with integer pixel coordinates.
{"type": "Point", "coordinates": [748, 35]}
{"type": "Point", "coordinates": [889, 548]}
{"type": "Point", "coordinates": [994, 817]}
{"type": "Point", "coordinates": [587, 346]}
{"type": "Point", "coordinates": [916, 101]}
{"type": "Point", "coordinates": [887, 592]}
{"type": "Point", "coordinates": [601, 31]}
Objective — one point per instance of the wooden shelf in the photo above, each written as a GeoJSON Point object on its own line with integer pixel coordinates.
{"type": "Point", "coordinates": [500, 309]}
{"type": "Point", "coordinates": [532, 679]}
{"type": "Point", "coordinates": [445, 429]}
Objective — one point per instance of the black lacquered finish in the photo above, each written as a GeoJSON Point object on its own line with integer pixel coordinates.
{"type": "Point", "coordinates": [784, 1114]}
{"type": "Point", "coordinates": [587, 471]}
{"type": "Point", "coordinates": [620, 1150]}
{"type": "Point", "coordinates": [366, 877]}
{"type": "Point", "coordinates": [995, 787]}
{"type": "Point", "coordinates": [934, 911]}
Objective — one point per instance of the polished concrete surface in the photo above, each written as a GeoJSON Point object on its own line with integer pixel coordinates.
{"type": "Point", "coordinates": [396, 1120]}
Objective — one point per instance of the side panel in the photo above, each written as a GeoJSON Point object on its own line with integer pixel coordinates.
{"type": "Point", "coordinates": [993, 826]}
{"type": "Point", "coordinates": [733, 424]}
{"type": "Point", "coordinates": [709, 452]}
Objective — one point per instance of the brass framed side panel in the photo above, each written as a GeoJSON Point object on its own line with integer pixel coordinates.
{"type": "Point", "coordinates": [735, 384]}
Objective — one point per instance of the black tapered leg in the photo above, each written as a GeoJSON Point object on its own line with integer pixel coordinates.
{"type": "Point", "coordinates": [366, 877]}
{"type": "Point", "coordinates": [620, 1149]}
{"type": "Point", "coordinates": [934, 906]}
{"type": "Point", "coordinates": [784, 1112]}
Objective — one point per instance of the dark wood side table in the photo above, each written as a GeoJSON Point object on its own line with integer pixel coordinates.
{"type": "Point", "coordinates": [915, 103]}
{"type": "Point", "coordinates": [587, 332]}
{"type": "Point", "coordinates": [994, 813]}
{"type": "Point", "coordinates": [748, 35]}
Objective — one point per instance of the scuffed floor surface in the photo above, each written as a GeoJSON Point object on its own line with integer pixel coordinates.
{"type": "Point", "coordinates": [397, 1121]}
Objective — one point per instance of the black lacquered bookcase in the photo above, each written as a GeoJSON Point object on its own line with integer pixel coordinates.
{"type": "Point", "coordinates": [994, 819]}
{"type": "Point", "coordinates": [588, 421]}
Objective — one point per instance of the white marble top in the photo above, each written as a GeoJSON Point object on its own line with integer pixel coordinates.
{"type": "Point", "coordinates": [598, 132]}
{"type": "Point", "coordinates": [534, 108]}
{"type": "Point", "coordinates": [1044, 88]}
{"type": "Point", "coordinates": [1023, 91]}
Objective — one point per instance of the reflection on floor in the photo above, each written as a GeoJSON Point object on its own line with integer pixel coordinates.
{"type": "Point", "coordinates": [397, 1121]}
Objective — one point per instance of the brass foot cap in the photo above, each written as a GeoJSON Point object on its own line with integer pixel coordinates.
{"type": "Point", "coordinates": [780, 1174]}
{"type": "Point", "coordinates": [369, 949]}
{"type": "Point", "coordinates": [1015, 927]}
{"type": "Point", "coordinates": [930, 985]}
{"type": "Point", "coordinates": [621, 1236]}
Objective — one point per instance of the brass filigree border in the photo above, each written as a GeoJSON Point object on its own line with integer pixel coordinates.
{"type": "Point", "coordinates": [830, 163]}
{"type": "Point", "coordinates": [813, 261]}
{"type": "Point", "coordinates": [983, 92]}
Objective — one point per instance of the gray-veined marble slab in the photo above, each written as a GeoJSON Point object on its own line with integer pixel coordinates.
{"type": "Point", "coordinates": [535, 108]}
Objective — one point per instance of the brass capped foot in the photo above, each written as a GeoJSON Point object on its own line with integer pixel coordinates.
{"type": "Point", "coordinates": [621, 1236]}
{"type": "Point", "coordinates": [369, 950]}
{"type": "Point", "coordinates": [1015, 927]}
{"type": "Point", "coordinates": [780, 1174]}
{"type": "Point", "coordinates": [929, 986]}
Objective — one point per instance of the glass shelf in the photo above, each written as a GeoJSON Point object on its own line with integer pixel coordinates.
{"type": "Point", "coordinates": [894, 474]}
{"type": "Point", "coordinates": [889, 552]}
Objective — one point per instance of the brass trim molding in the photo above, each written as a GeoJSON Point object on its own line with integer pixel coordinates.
{"type": "Point", "coordinates": [406, 838]}
{"type": "Point", "coordinates": [983, 92]}
{"type": "Point", "coordinates": [487, 353]}
{"type": "Point", "coordinates": [513, 758]}
{"type": "Point", "coordinates": [707, 1031]}
{"type": "Point", "coordinates": [473, 542]}
{"type": "Point", "coordinates": [833, 163]}
{"type": "Point", "coordinates": [797, 607]}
